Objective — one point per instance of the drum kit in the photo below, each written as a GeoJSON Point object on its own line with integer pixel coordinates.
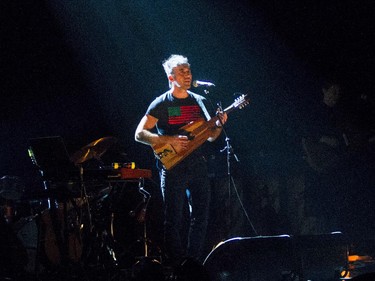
{"type": "Point", "coordinates": [94, 218]}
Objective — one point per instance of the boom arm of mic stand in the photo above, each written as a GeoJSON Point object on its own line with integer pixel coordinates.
{"type": "Point", "coordinates": [228, 147]}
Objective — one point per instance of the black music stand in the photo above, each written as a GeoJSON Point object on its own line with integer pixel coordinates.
{"type": "Point", "coordinates": [50, 155]}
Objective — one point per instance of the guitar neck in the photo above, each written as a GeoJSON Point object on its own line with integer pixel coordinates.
{"type": "Point", "coordinates": [212, 121]}
{"type": "Point", "coordinates": [229, 109]}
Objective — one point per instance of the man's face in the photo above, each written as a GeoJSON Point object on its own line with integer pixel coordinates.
{"type": "Point", "coordinates": [181, 76]}
{"type": "Point", "coordinates": [331, 95]}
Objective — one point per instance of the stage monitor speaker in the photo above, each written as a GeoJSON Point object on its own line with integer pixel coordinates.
{"type": "Point", "coordinates": [261, 258]}
{"type": "Point", "coordinates": [370, 276]}
{"type": "Point", "coordinates": [323, 256]}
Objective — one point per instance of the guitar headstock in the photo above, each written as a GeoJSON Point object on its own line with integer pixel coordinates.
{"type": "Point", "coordinates": [241, 101]}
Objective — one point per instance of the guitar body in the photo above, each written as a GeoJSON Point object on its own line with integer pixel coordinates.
{"type": "Point", "coordinates": [56, 245]}
{"type": "Point", "coordinates": [321, 157]}
{"type": "Point", "coordinates": [197, 132]}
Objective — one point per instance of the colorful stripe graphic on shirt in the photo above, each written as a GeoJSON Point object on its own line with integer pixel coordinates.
{"type": "Point", "coordinates": [183, 114]}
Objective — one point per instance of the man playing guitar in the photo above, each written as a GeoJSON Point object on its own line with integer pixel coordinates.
{"type": "Point", "coordinates": [167, 114]}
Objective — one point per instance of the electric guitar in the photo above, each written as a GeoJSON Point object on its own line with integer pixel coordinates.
{"type": "Point", "coordinates": [197, 132]}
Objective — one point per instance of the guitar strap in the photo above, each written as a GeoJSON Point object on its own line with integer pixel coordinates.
{"type": "Point", "coordinates": [202, 106]}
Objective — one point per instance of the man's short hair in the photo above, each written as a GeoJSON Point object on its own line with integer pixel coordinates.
{"type": "Point", "coordinates": [172, 62]}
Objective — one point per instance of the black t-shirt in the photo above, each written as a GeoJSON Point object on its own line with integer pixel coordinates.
{"type": "Point", "coordinates": [173, 113]}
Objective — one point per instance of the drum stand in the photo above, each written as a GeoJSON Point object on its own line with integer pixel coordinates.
{"type": "Point", "coordinates": [104, 242]}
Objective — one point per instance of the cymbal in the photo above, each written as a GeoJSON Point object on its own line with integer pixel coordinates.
{"type": "Point", "coordinates": [93, 150]}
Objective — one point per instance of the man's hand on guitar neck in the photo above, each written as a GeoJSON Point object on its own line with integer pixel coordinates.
{"type": "Point", "coordinates": [223, 117]}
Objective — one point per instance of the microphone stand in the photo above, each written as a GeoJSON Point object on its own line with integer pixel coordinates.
{"type": "Point", "coordinates": [230, 152]}
{"type": "Point", "coordinates": [229, 149]}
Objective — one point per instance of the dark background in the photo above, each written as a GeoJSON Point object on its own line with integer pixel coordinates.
{"type": "Point", "coordinates": [88, 69]}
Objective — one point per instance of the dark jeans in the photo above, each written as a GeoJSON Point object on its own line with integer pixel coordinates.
{"type": "Point", "coordinates": [190, 175]}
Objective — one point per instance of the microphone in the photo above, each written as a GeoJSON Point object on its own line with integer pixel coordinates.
{"type": "Point", "coordinates": [197, 83]}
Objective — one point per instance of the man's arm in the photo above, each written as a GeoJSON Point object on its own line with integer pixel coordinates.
{"type": "Point", "coordinates": [143, 132]}
{"type": "Point", "coordinates": [144, 135]}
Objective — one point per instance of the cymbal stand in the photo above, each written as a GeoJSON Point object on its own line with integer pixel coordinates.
{"type": "Point", "coordinates": [142, 215]}
{"type": "Point", "coordinates": [85, 198]}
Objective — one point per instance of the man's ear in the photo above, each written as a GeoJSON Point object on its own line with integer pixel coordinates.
{"type": "Point", "coordinates": [171, 78]}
